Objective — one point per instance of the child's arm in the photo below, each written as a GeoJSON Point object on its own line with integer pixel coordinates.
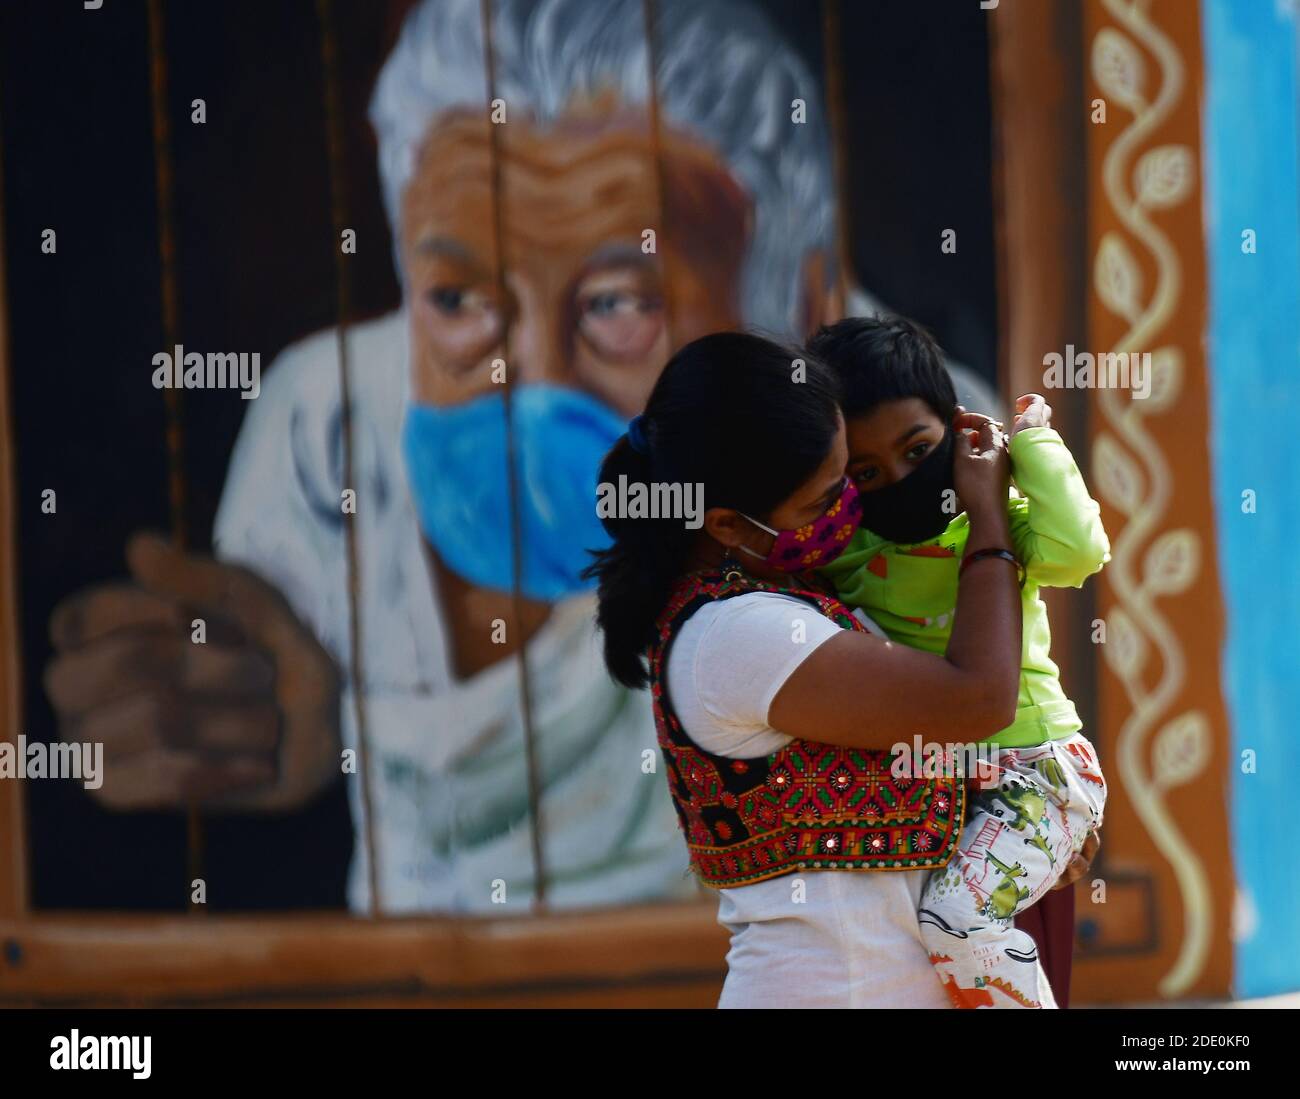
{"type": "Point", "coordinates": [1056, 525]}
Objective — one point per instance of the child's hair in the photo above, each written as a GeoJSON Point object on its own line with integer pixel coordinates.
{"type": "Point", "coordinates": [727, 413]}
{"type": "Point", "coordinates": [885, 358]}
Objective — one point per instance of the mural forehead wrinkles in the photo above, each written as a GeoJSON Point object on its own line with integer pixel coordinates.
{"type": "Point", "coordinates": [725, 77]}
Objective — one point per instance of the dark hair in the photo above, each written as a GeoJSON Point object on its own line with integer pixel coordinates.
{"type": "Point", "coordinates": [730, 413]}
{"type": "Point", "coordinates": [885, 358]}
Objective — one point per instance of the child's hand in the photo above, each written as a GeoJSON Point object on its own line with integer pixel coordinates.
{"type": "Point", "coordinates": [1031, 411]}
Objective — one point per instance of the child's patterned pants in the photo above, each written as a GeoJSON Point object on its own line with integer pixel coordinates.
{"type": "Point", "coordinates": [1014, 846]}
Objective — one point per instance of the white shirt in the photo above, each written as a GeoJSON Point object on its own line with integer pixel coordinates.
{"type": "Point", "coordinates": [818, 938]}
{"type": "Point", "coordinates": [450, 802]}
{"type": "Point", "coordinates": [728, 661]}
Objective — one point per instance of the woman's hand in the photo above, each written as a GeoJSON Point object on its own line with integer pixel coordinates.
{"type": "Point", "coordinates": [981, 469]}
{"type": "Point", "coordinates": [1081, 862]}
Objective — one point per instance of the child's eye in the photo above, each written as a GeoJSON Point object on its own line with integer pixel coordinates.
{"type": "Point", "coordinates": [863, 476]}
{"type": "Point", "coordinates": [917, 451]}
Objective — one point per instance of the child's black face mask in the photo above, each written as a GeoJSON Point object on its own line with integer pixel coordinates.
{"type": "Point", "coordinates": [912, 510]}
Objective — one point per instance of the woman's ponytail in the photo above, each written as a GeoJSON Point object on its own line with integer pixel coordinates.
{"type": "Point", "coordinates": [636, 574]}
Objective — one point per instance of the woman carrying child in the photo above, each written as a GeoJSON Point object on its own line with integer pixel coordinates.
{"type": "Point", "coordinates": [776, 708]}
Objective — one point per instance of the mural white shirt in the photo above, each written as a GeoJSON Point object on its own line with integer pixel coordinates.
{"type": "Point", "coordinates": [449, 791]}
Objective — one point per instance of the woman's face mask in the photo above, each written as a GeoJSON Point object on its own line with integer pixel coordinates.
{"type": "Point", "coordinates": [817, 543]}
{"type": "Point", "coordinates": [456, 466]}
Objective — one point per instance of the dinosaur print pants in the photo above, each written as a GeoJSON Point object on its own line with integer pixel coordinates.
{"type": "Point", "coordinates": [1029, 817]}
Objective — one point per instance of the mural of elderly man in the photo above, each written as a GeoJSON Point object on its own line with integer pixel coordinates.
{"type": "Point", "coordinates": [745, 236]}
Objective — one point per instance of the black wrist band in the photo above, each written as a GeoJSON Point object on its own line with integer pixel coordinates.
{"type": "Point", "coordinates": [980, 554]}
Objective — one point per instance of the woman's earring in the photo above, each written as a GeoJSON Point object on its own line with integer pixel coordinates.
{"type": "Point", "coordinates": [731, 570]}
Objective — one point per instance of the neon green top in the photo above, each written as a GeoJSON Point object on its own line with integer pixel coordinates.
{"type": "Point", "coordinates": [911, 591]}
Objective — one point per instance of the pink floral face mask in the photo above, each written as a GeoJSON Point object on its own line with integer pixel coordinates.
{"type": "Point", "coordinates": [818, 543]}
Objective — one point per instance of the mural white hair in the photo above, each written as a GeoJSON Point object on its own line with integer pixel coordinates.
{"type": "Point", "coordinates": [725, 76]}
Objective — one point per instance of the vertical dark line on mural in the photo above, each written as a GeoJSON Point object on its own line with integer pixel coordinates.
{"type": "Point", "coordinates": [650, 16]}
{"type": "Point", "coordinates": [516, 525]}
{"type": "Point", "coordinates": [339, 220]}
{"type": "Point", "coordinates": [15, 855]}
{"type": "Point", "coordinates": [833, 61]}
{"type": "Point", "coordinates": [170, 330]}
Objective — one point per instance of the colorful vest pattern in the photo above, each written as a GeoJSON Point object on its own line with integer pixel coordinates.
{"type": "Point", "coordinates": [809, 806]}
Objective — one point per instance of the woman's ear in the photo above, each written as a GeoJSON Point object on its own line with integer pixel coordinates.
{"type": "Point", "coordinates": [728, 527]}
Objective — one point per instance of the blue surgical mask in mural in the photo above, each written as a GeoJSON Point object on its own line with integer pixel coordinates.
{"type": "Point", "coordinates": [456, 465]}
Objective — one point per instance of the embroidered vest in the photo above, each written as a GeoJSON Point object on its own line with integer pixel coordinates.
{"type": "Point", "coordinates": [809, 806]}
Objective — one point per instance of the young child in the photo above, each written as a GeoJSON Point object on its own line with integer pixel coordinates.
{"type": "Point", "coordinates": [1047, 793]}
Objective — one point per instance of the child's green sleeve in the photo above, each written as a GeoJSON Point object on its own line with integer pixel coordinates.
{"type": "Point", "coordinates": [1056, 526]}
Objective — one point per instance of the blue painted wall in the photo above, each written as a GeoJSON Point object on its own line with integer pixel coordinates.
{"type": "Point", "coordinates": [1252, 146]}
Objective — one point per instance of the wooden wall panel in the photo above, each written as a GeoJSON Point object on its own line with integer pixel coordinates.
{"type": "Point", "coordinates": [1100, 247]}
{"type": "Point", "coordinates": [669, 955]}
{"type": "Point", "coordinates": [1164, 929]}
